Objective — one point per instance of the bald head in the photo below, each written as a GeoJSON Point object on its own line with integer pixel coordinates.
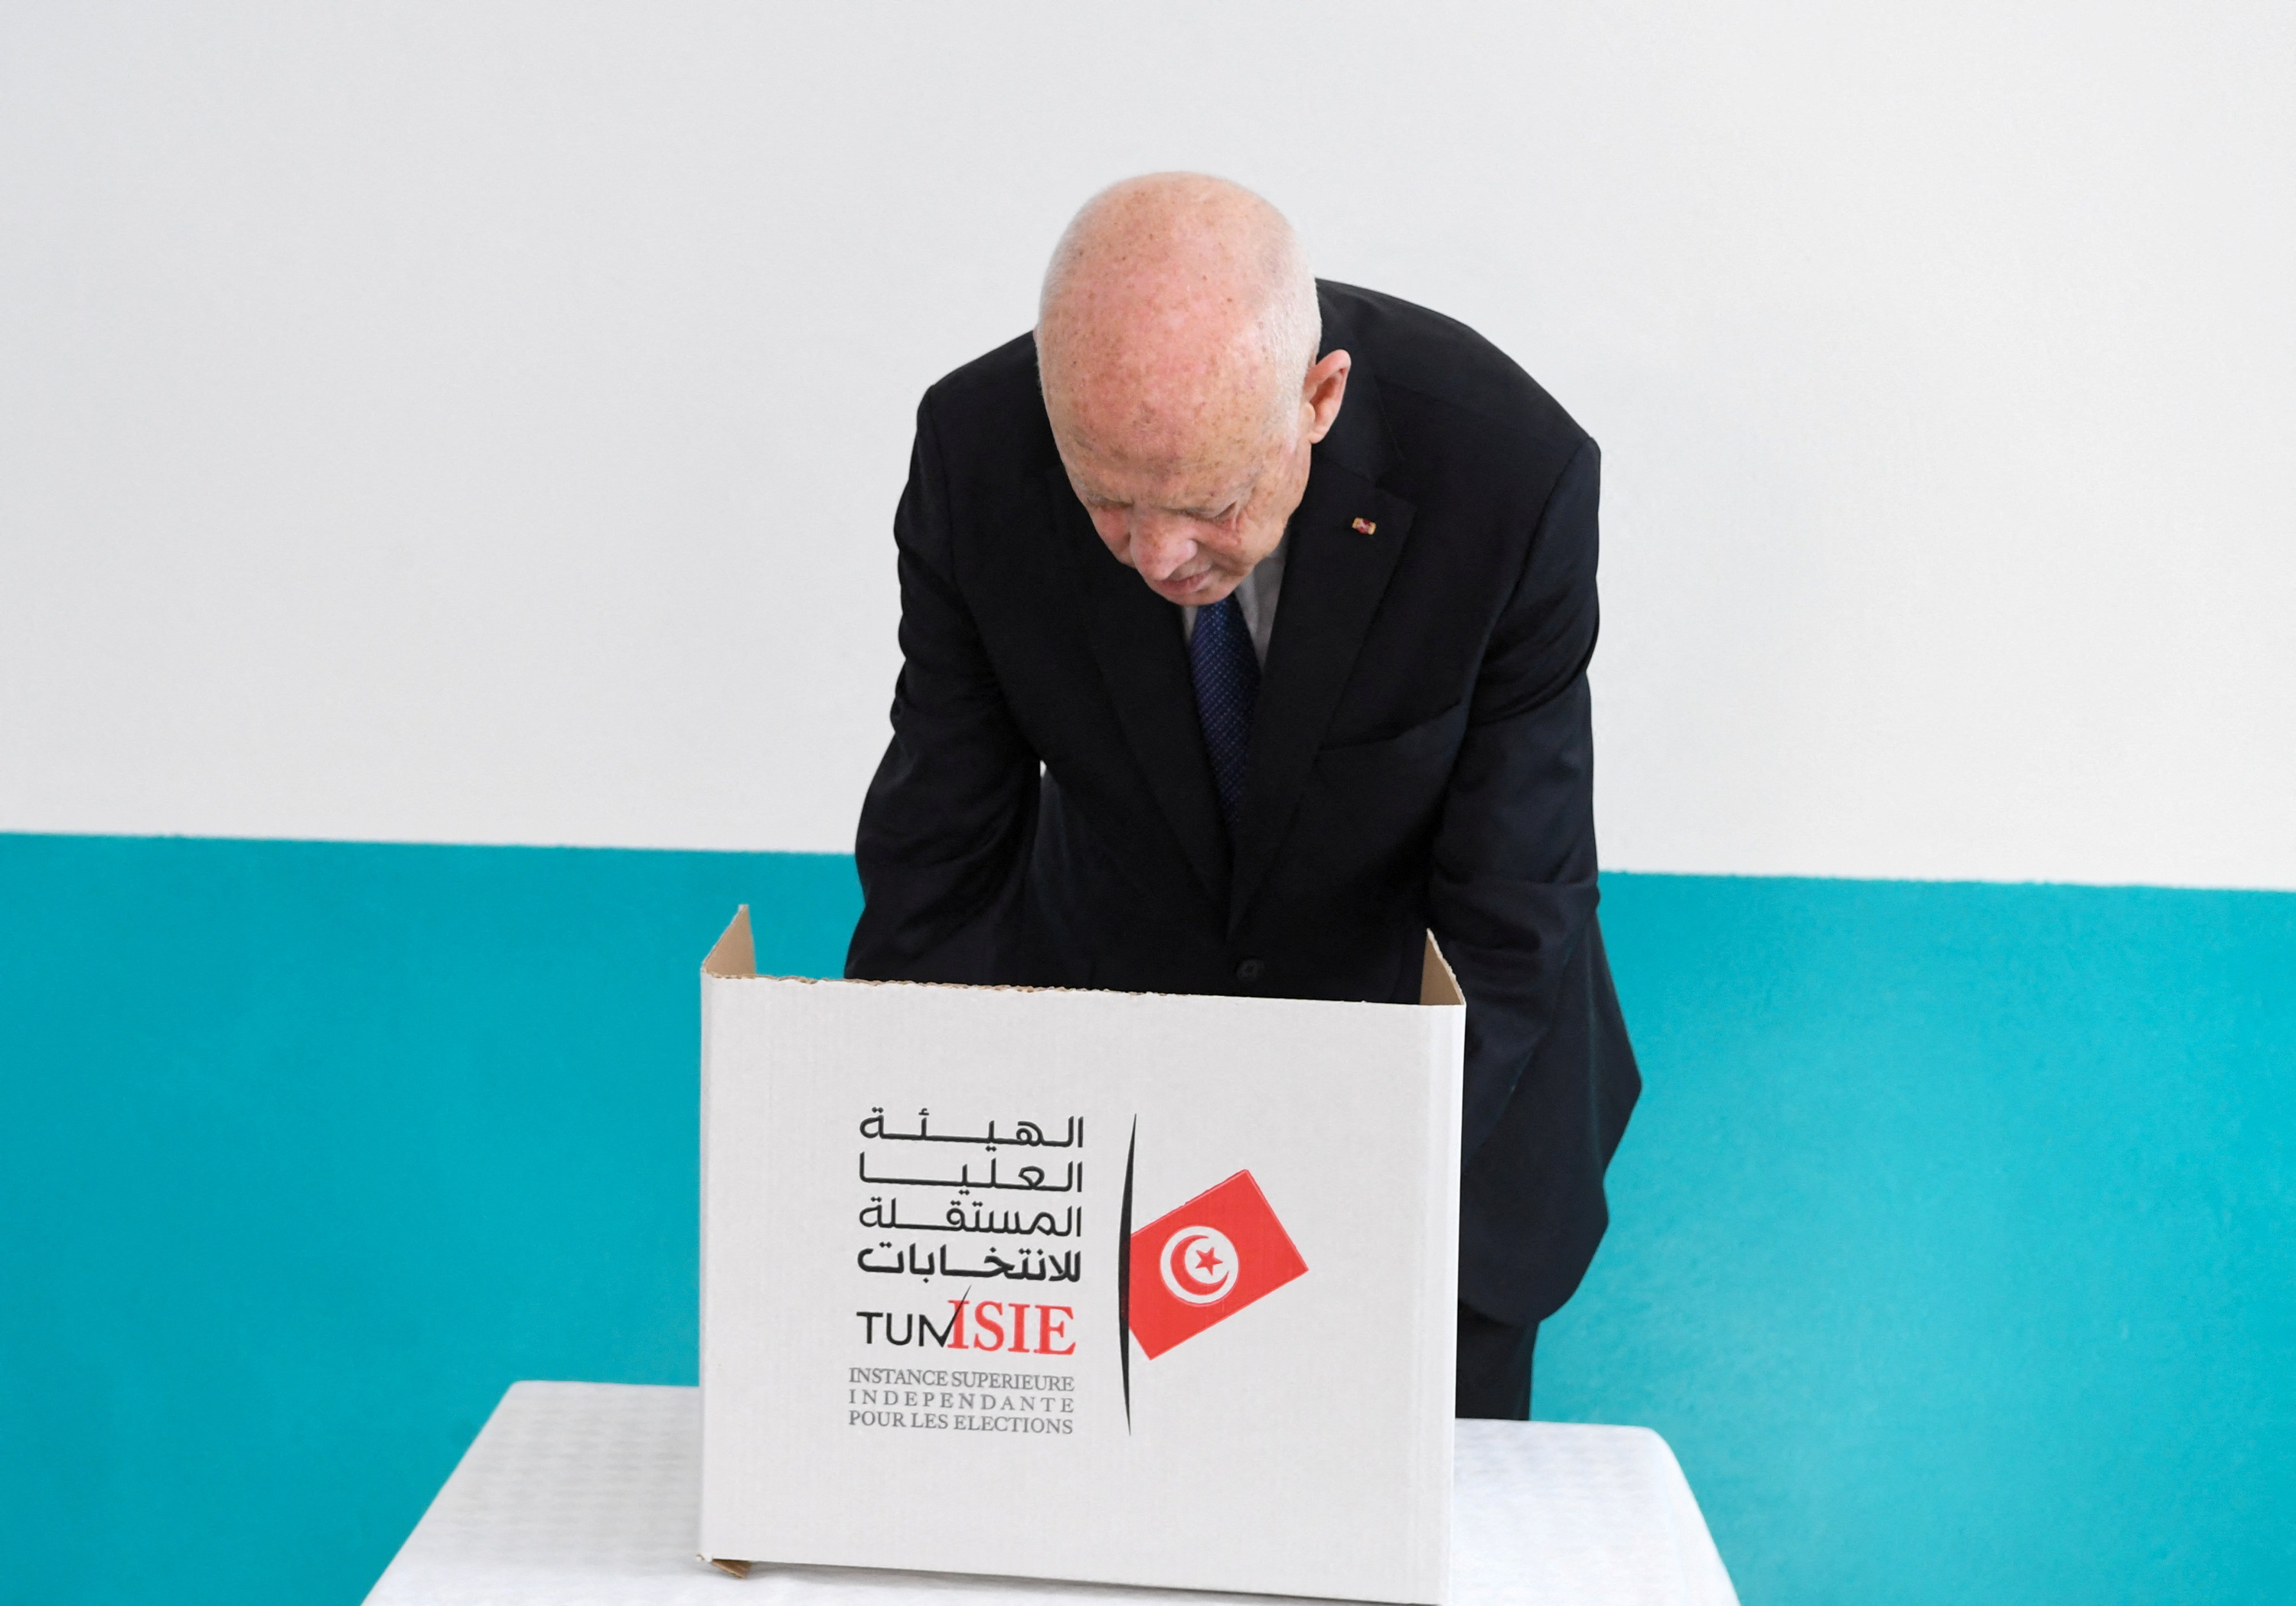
{"type": "Point", "coordinates": [1171, 302]}
{"type": "Point", "coordinates": [1176, 341]}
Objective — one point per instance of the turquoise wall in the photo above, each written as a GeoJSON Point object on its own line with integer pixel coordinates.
{"type": "Point", "coordinates": [1953, 1246]}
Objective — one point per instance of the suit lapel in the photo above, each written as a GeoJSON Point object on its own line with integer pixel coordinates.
{"type": "Point", "coordinates": [1334, 577]}
{"type": "Point", "coordinates": [1136, 636]}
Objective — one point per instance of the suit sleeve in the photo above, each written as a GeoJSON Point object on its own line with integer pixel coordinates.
{"type": "Point", "coordinates": [946, 827]}
{"type": "Point", "coordinates": [1512, 900]}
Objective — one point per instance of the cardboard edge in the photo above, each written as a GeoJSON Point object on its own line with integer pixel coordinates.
{"type": "Point", "coordinates": [735, 957]}
{"type": "Point", "coordinates": [735, 954]}
{"type": "Point", "coordinates": [1437, 984]}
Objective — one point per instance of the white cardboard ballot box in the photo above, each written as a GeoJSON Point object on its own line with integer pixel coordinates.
{"type": "Point", "coordinates": [1125, 1288]}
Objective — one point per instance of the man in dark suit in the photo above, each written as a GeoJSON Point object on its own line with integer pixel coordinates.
{"type": "Point", "coordinates": [1245, 623]}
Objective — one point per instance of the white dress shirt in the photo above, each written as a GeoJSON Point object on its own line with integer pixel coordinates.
{"type": "Point", "coordinates": [1256, 597]}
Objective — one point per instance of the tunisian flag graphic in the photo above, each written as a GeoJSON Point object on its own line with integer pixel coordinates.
{"type": "Point", "coordinates": [1205, 1261]}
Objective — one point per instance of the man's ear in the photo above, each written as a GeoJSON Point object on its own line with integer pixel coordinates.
{"type": "Point", "coordinates": [1325, 388]}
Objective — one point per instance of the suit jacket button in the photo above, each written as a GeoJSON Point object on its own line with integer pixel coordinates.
{"type": "Point", "coordinates": [1251, 970]}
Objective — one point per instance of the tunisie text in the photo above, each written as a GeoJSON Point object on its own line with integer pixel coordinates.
{"type": "Point", "coordinates": [985, 1324]}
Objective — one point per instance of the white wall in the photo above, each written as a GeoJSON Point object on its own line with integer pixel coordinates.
{"type": "Point", "coordinates": [480, 421]}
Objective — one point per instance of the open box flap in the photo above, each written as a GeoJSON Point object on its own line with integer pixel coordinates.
{"type": "Point", "coordinates": [735, 954]}
{"type": "Point", "coordinates": [1436, 985]}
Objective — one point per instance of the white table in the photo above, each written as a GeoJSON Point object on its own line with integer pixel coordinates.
{"type": "Point", "coordinates": [585, 1494]}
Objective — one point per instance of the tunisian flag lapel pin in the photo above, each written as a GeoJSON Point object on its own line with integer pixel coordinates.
{"type": "Point", "coordinates": [1365, 527]}
{"type": "Point", "coordinates": [1203, 1262]}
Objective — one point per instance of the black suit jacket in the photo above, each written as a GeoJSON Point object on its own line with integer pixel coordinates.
{"type": "Point", "coordinates": [1421, 755]}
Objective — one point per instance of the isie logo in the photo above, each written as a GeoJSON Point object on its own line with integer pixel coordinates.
{"type": "Point", "coordinates": [993, 1325]}
{"type": "Point", "coordinates": [1202, 1263]}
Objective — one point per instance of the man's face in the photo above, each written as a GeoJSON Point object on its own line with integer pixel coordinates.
{"type": "Point", "coordinates": [1192, 527]}
{"type": "Point", "coordinates": [1191, 497]}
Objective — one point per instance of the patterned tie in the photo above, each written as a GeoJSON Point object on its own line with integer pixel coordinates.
{"type": "Point", "coordinates": [1227, 673]}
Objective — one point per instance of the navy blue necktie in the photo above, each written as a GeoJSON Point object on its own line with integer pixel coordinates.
{"type": "Point", "coordinates": [1227, 673]}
